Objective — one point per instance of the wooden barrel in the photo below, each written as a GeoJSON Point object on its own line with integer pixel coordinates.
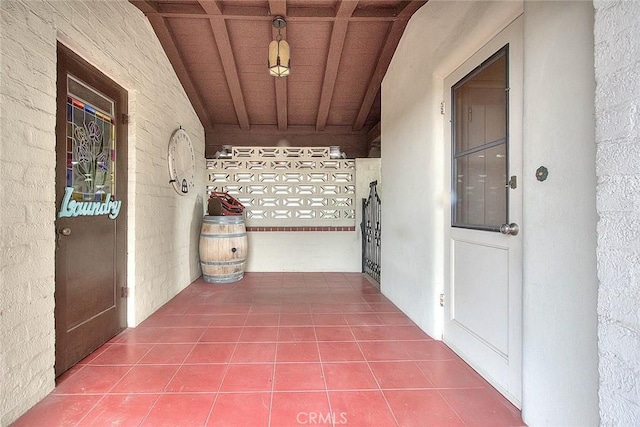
{"type": "Point", "coordinates": [223, 248]}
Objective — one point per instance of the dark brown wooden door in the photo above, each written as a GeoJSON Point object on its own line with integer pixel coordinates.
{"type": "Point", "coordinates": [91, 205]}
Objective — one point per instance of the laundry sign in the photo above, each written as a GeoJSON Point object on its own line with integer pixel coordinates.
{"type": "Point", "coordinates": [73, 208]}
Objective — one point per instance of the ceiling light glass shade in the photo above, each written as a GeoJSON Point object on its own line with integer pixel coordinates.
{"type": "Point", "coordinates": [279, 59]}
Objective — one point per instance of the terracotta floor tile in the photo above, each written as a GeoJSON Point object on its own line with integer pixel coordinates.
{"type": "Point", "coordinates": [349, 376]}
{"type": "Point", "coordinates": [384, 307]}
{"type": "Point", "coordinates": [449, 374]}
{"type": "Point", "coordinates": [300, 408]}
{"type": "Point", "coordinates": [275, 350]}
{"type": "Point", "coordinates": [211, 353]}
{"type": "Point", "coordinates": [231, 308]}
{"type": "Point", "coordinates": [362, 319]}
{"type": "Point", "coordinates": [292, 307]}
{"type": "Point", "coordinates": [167, 354]}
{"type": "Point", "coordinates": [174, 410]}
{"type": "Point", "coordinates": [161, 320]}
{"type": "Point", "coordinates": [394, 319]}
{"type": "Point", "coordinates": [419, 408]}
{"type": "Point", "coordinates": [194, 320]}
{"type": "Point", "coordinates": [122, 354]}
{"type": "Point", "coordinates": [58, 410]}
{"type": "Point", "coordinates": [140, 336]}
{"type": "Point", "coordinates": [254, 352]}
{"type": "Point", "coordinates": [428, 350]}
{"type": "Point", "coordinates": [92, 379]}
{"type": "Point", "coordinates": [354, 308]}
{"type": "Point", "coordinates": [145, 379]}
{"type": "Point", "coordinates": [197, 378]}
{"type": "Point", "coordinates": [480, 407]}
{"type": "Point", "coordinates": [325, 308]}
{"type": "Point", "coordinates": [259, 334]}
{"type": "Point", "coordinates": [297, 352]}
{"type": "Point", "coordinates": [263, 319]}
{"type": "Point", "coordinates": [408, 332]}
{"type": "Point", "coordinates": [296, 333]}
{"type": "Point", "coordinates": [228, 320]}
{"type": "Point", "coordinates": [265, 308]}
{"type": "Point", "coordinates": [120, 410]}
{"type": "Point", "coordinates": [229, 334]}
{"type": "Point", "coordinates": [334, 333]}
{"type": "Point", "coordinates": [241, 410]}
{"type": "Point", "coordinates": [331, 319]}
{"type": "Point", "coordinates": [299, 376]}
{"type": "Point", "coordinates": [171, 308]}
{"type": "Point", "coordinates": [339, 351]}
{"type": "Point", "coordinates": [181, 335]}
{"type": "Point", "coordinates": [383, 350]}
{"type": "Point", "coordinates": [361, 408]}
{"type": "Point", "coordinates": [391, 375]}
{"type": "Point", "coordinates": [296, 319]}
{"type": "Point", "coordinates": [256, 377]}
{"type": "Point", "coordinates": [376, 297]}
{"type": "Point", "coordinates": [373, 333]}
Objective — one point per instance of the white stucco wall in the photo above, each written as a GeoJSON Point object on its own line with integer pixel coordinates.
{"type": "Point", "coordinates": [414, 189]}
{"type": "Point", "coordinates": [617, 68]}
{"type": "Point", "coordinates": [162, 255]}
{"type": "Point", "coordinates": [559, 232]}
{"type": "Point", "coordinates": [559, 226]}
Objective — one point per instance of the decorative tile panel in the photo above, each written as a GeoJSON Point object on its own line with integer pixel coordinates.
{"type": "Point", "coordinates": [297, 187]}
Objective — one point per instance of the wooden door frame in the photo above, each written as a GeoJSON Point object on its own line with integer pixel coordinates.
{"type": "Point", "coordinates": [69, 62]}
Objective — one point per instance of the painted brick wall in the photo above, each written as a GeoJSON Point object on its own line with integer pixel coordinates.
{"type": "Point", "coordinates": [617, 66]}
{"type": "Point", "coordinates": [162, 226]}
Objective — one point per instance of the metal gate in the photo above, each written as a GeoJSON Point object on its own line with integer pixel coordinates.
{"type": "Point", "coordinates": [370, 227]}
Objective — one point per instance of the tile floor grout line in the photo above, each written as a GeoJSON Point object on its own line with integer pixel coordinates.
{"type": "Point", "coordinates": [273, 372]}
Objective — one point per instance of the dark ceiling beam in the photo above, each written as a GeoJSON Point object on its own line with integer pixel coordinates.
{"type": "Point", "coordinates": [168, 42]}
{"type": "Point", "coordinates": [336, 45]}
{"type": "Point", "coordinates": [210, 7]}
{"type": "Point", "coordinates": [389, 48]}
{"type": "Point", "coordinates": [145, 6]}
{"type": "Point", "coordinates": [298, 14]}
{"type": "Point", "coordinates": [221, 36]}
{"type": "Point", "coordinates": [294, 130]}
{"type": "Point", "coordinates": [279, 7]}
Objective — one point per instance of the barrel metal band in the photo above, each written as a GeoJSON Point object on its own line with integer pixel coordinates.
{"type": "Point", "coordinates": [234, 262]}
{"type": "Point", "coordinates": [226, 236]}
{"type": "Point", "coordinates": [223, 278]}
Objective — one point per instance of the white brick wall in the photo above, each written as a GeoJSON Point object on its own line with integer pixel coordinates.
{"type": "Point", "coordinates": [163, 226]}
{"type": "Point", "coordinates": [617, 66]}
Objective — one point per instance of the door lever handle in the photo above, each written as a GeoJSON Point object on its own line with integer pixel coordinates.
{"type": "Point", "coordinates": [510, 229]}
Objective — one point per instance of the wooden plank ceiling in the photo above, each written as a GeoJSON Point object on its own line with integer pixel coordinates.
{"type": "Point", "coordinates": [340, 51]}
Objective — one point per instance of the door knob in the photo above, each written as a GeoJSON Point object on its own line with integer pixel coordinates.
{"type": "Point", "coordinates": [64, 231]}
{"type": "Point", "coordinates": [510, 229]}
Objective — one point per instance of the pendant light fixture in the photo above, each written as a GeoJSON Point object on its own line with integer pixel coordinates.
{"type": "Point", "coordinates": [279, 59]}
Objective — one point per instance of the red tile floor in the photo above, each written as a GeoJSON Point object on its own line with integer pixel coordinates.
{"type": "Point", "coordinates": [275, 349]}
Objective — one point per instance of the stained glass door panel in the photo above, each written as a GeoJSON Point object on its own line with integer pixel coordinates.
{"type": "Point", "coordinates": [90, 143]}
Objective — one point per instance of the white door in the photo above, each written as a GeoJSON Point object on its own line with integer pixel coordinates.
{"type": "Point", "coordinates": [483, 236]}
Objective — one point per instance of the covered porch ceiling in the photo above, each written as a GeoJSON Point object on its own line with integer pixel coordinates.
{"type": "Point", "coordinates": [340, 52]}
